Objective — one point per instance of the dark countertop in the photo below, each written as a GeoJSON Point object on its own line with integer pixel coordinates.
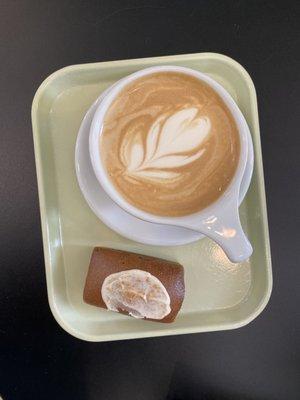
{"type": "Point", "coordinates": [38, 360]}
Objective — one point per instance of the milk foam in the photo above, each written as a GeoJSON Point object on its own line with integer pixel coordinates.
{"type": "Point", "coordinates": [172, 141]}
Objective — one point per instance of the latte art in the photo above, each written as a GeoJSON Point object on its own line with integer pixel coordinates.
{"type": "Point", "coordinates": [169, 144]}
{"type": "Point", "coordinates": [172, 142]}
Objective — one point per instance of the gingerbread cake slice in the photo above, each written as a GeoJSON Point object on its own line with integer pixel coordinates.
{"type": "Point", "coordinates": [133, 284]}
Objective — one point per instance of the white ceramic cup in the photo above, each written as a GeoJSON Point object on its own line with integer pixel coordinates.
{"type": "Point", "coordinates": [220, 220]}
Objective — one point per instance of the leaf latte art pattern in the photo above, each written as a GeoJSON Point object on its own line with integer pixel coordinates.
{"type": "Point", "coordinates": [172, 142]}
{"type": "Point", "coordinates": [169, 144]}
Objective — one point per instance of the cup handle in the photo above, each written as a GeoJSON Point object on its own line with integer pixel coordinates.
{"type": "Point", "coordinates": [227, 231]}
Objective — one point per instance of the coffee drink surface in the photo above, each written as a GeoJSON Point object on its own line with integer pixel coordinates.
{"type": "Point", "coordinates": [169, 144]}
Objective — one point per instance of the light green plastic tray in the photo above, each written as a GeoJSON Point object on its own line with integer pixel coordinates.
{"type": "Point", "coordinates": [219, 295]}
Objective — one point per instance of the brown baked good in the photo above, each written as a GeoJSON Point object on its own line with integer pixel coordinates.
{"type": "Point", "coordinates": [105, 262]}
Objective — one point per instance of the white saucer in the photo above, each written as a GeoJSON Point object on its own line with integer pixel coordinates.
{"type": "Point", "coordinates": [115, 217]}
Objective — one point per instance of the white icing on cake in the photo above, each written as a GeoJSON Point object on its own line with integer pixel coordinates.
{"type": "Point", "coordinates": [137, 292]}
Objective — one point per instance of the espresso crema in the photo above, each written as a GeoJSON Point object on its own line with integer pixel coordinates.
{"type": "Point", "coordinates": [169, 144]}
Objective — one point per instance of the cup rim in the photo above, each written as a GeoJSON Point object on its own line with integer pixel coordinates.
{"type": "Point", "coordinates": [99, 168]}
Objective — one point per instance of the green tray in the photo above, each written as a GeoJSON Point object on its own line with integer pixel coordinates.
{"type": "Point", "coordinates": [219, 295]}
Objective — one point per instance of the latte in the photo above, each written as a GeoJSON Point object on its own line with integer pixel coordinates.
{"type": "Point", "coordinates": [169, 144]}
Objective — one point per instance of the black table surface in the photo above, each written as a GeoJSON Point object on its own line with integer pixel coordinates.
{"type": "Point", "coordinates": [38, 360]}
